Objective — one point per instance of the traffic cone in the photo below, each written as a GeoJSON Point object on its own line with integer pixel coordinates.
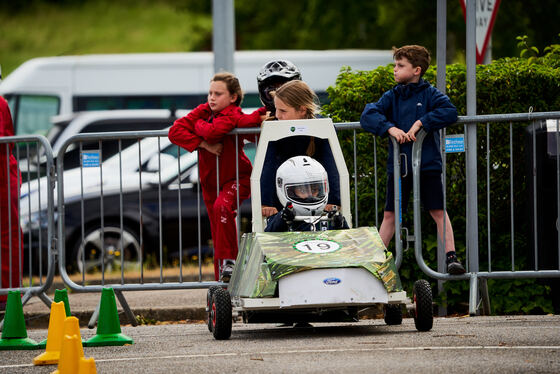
{"type": "Point", "coordinates": [70, 355]}
{"type": "Point", "coordinates": [14, 334]}
{"type": "Point", "coordinates": [108, 325]}
{"type": "Point", "coordinates": [59, 295]}
{"type": "Point", "coordinates": [54, 336]}
{"type": "Point", "coordinates": [62, 295]}
{"type": "Point", "coordinates": [72, 327]}
{"type": "Point", "coordinates": [87, 366]}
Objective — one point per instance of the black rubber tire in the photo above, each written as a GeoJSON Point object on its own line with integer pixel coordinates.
{"type": "Point", "coordinates": [220, 313]}
{"type": "Point", "coordinates": [111, 247]}
{"type": "Point", "coordinates": [392, 314]}
{"type": "Point", "coordinates": [423, 313]}
{"type": "Point", "coordinates": [209, 294]}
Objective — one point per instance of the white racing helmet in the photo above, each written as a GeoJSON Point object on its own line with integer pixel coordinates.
{"type": "Point", "coordinates": [303, 181]}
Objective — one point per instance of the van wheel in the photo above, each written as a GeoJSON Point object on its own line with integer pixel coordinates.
{"type": "Point", "coordinates": [104, 249]}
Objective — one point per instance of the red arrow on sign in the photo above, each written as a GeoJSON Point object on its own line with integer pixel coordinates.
{"type": "Point", "coordinates": [486, 11]}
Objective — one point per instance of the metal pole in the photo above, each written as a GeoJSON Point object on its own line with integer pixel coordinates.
{"type": "Point", "coordinates": [223, 41]}
{"type": "Point", "coordinates": [441, 43]}
{"type": "Point", "coordinates": [441, 72]}
{"type": "Point", "coordinates": [488, 54]}
{"type": "Point", "coordinates": [472, 198]}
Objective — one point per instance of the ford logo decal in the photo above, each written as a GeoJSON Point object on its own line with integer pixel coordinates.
{"type": "Point", "coordinates": [331, 281]}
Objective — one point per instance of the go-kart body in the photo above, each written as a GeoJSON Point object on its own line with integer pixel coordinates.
{"type": "Point", "coordinates": [312, 276]}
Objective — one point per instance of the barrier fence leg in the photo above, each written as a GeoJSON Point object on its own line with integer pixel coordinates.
{"type": "Point", "coordinates": [45, 299]}
{"type": "Point", "coordinates": [473, 296]}
{"type": "Point", "coordinates": [486, 309]}
{"type": "Point", "coordinates": [442, 268]}
{"type": "Point", "coordinates": [93, 320]}
{"type": "Point", "coordinates": [126, 308]}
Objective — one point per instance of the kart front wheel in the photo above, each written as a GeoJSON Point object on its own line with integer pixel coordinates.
{"type": "Point", "coordinates": [423, 313]}
{"type": "Point", "coordinates": [209, 294]}
{"type": "Point", "coordinates": [392, 313]}
{"type": "Point", "coordinates": [220, 314]}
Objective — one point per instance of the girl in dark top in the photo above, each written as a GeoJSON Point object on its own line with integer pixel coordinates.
{"type": "Point", "coordinates": [295, 100]}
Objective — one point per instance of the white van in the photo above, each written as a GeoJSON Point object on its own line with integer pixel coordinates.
{"type": "Point", "coordinates": [43, 87]}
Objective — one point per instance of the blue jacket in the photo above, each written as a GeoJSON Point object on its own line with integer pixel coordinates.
{"type": "Point", "coordinates": [401, 107]}
{"type": "Point", "coordinates": [281, 150]}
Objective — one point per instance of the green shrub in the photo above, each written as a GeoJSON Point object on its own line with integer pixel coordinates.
{"type": "Point", "coordinates": [510, 85]}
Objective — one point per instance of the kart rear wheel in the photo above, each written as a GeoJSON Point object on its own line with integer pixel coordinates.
{"type": "Point", "coordinates": [423, 313]}
{"type": "Point", "coordinates": [209, 294]}
{"type": "Point", "coordinates": [220, 313]}
{"type": "Point", "coordinates": [392, 313]}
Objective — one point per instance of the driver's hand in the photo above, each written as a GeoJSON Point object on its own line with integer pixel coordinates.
{"type": "Point", "coordinates": [268, 211]}
{"type": "Point", "coordinates": [288, 213]}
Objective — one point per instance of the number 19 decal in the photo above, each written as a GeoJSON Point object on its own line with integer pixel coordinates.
{"type": "Point", "coordinates": [317, 246]}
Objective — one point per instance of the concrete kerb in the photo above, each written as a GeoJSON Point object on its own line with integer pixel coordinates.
{"type": "Point", "coordinates": [150, 306]}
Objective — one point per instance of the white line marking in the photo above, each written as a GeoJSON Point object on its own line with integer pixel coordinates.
{"type": "Point", "coordinates": [465, 348]}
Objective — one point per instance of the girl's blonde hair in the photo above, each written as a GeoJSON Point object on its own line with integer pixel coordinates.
{"type": "Point", "coordinates": [297, 94]}
{"type": "Point", "coordinates": [232, 85]}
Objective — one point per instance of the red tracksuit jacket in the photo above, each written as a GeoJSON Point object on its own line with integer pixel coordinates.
{"type": "Point", "coordinates": [188, 132]}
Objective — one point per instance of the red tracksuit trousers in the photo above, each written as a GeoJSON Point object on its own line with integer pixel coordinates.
{"type": "Point", "coordinates": [11, 237]}
{"type": "Point", "coordinates": [222, 210]}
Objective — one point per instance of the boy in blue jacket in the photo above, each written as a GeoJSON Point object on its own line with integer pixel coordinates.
{"type": "Point", "coordinates": [401, 112]}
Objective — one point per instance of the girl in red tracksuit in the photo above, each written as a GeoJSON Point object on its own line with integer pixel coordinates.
{"type": "Point", "coordinates": [204, 129]}
{"type": "Point", "coordinates": [10, 233]}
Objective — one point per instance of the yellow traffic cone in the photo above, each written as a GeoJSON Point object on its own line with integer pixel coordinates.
{"type": "Point", "coordinates": [70, 355]}
{"type": "Point", "coordinates": [54, 336]}
{"type": "Point", "coordinates": [72, 327]}
{"type": "Point", "coordinates": [87, 366]}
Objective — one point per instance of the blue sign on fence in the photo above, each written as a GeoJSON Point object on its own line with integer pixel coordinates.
{"type": "Point", "coordinates": [454, 143]}
{"type": "Point", "coordinates": [90, 159]}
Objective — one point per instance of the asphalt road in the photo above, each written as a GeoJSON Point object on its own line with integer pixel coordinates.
{"type": "Point", "coordinates": [516, 344]}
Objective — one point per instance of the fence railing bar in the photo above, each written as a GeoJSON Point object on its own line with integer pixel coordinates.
{"type": "Point", "coordinates": [160, 228]}
{"type": "Point", "coordinates": [102, 208]}
{"type": "Point", "coordinates": [121, 214]}
{"type": "Point", "coordinates": [511, 197]}
{"type": "Point", "coordinates": [488, 210]}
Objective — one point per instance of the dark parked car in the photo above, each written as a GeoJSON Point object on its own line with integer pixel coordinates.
{"type": "Point", "coordinates": [149, 215]}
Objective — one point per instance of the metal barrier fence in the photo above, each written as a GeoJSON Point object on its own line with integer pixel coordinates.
{"type": "Point", "coordinates": [474, 274]}
{"type": "Point", "coordinates": [34, 263]}
{"type": "Point", "coordinates": [106, 206]}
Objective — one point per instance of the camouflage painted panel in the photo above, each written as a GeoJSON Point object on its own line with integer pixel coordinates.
{"type": "Point", "coordinates": [290, 252]}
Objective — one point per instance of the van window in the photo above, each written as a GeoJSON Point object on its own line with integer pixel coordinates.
{"type": "Point", "coordinates": [85, 103]}
{"type": "Point", "coordinates": [33, 113]}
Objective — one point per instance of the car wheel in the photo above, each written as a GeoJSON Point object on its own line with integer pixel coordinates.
{"type": "Point", "coordinates": [209, 296]}
{"type": "Point", "coordinates": [423, 313]}
{"type": "Point", "coordinates": [220, 313]}
{"type": "Point", "coordinates": [392, 313]}
{"type": "Point", "coordinates": [91, 253]}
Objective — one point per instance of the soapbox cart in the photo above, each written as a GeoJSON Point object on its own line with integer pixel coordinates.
{"type": "Point", "coordinates": [312, 276]}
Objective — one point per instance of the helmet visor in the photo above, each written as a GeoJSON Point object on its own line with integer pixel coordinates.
{"type": "Point", "coordinates": [306, 193]}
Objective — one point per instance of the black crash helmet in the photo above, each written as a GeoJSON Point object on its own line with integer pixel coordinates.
{"type": "Point", "coordinates": [271, 76]}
